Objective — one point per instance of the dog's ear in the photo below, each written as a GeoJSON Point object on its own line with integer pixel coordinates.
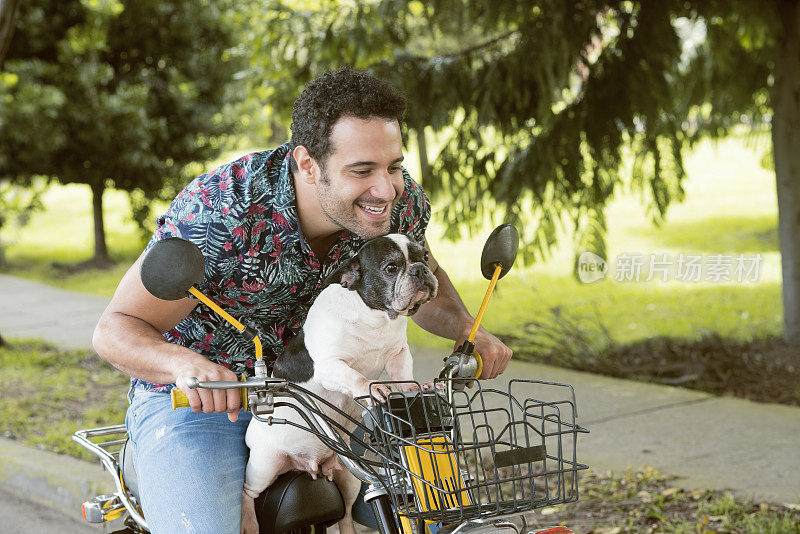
{"type": "Point", "coordinates": [346, 274]}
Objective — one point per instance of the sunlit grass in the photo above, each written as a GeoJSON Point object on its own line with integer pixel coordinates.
{"type": "Point", "coordinates": [730, 209]}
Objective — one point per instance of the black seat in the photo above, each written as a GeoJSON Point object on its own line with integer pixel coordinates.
{"type": "Point", "coordinates": [295, 501]}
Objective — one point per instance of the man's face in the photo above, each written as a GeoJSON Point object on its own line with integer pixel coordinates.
{"type": "Point", "coordinates": [361, 181]}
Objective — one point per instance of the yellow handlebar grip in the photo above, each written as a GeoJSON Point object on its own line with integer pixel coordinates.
{"type": "Point", "coordinates": [179, 399]}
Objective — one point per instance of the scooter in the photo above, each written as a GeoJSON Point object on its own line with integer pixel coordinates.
{"type": "Point", "coordinates": [459, 458]}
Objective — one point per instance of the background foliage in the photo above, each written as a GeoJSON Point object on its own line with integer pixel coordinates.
{"type": "Point", "coordinates": [122, 94]}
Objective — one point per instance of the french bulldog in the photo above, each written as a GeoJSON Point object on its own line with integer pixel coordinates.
{"type": "Point", "coordinates": [355, 330]}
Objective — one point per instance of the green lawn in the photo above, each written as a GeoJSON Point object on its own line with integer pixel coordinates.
{"type": "Point", "coordinates": [730, 209]}
{"type": "Point", "coordinates": [47, 393]}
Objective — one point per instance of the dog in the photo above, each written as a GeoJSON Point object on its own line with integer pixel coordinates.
{"type": "Point", "coordinates": [355, 330]}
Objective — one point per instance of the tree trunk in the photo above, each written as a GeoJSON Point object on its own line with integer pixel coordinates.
{"type": "Point", "coordinates": [424, 166]}
{"type": "Point", "coordinates": [100, 250]}
{"type": "Point", "coordinates": [8, 11]}
{"type": "Point", "coordinates": [786, 154]}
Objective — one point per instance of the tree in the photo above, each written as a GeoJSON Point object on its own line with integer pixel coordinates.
{"type": "Point", "coordinates": [122, 93]}
{"type": "Point", "coordinates": [542, 98]}
{"type": "Point", "coordinates": [8, 12]}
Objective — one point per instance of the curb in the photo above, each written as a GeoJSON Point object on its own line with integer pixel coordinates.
{"type": "Point", "coordinates": [54, 480]}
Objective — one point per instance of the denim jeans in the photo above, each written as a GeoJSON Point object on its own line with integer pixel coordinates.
{"type": "Point", "coordinates": [190, 467]}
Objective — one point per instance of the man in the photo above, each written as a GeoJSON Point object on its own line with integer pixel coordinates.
{"type": "Point", "coordinates": [272, 225]}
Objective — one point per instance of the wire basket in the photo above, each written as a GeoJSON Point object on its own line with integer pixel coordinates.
{"type": "Point", "coordinates": [488, 453]}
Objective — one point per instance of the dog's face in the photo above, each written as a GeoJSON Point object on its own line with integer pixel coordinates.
{"type": "Point", "coordinates": [390, 273]}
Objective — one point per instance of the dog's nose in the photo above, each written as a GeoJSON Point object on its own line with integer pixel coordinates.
{"type": "Point", "coordinates": [417, 271]}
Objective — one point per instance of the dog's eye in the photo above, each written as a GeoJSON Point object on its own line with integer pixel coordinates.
{"type": "Point", "coordinates": [391, 268]}
{"type": "Point", "coordinates": [425, 256]}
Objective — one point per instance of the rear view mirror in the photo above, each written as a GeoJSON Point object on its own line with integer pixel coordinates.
{"type": "Point", "coordinates": [500, 249]}
{"type": "Point", "coordinates": [171, 267]}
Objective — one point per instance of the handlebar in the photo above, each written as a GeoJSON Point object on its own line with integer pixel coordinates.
{"type": "Point", "coordinates": [257, 395]}
{"type": "Point", "coordinates": [279, 388]}
{"type": "Point", "coordinates": [459, 365]}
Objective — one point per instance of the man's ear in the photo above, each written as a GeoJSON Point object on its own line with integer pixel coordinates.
{"type": "Point", "coordinates": [305, 163]}
{"type": "Point", "coordinates": [347, 274]}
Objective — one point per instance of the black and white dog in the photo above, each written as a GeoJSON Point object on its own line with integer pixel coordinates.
{"type": "Point", "coordinates": [355, 329]}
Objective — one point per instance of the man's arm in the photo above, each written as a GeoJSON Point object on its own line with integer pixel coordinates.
{"type": "Point", "coordinates": [448, 317]}
{"type": "Point", "coordinates": [129, 336]}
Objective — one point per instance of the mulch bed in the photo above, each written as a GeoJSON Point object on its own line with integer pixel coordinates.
{"type": "Point", "coordinates": [764, 370]}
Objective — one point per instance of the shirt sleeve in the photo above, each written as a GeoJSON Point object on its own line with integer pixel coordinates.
{"type": "Point", "coordinates": [413, 209]}
{"type": "Point", "coordinates": [209, 212]}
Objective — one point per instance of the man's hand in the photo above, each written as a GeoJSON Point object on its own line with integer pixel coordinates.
{"type": "Point", "coordinates": [446, 316]}
{"type": "Point", "coordinates": [494, 353]}
{"type": "Point", "coordinates": [208, 400]}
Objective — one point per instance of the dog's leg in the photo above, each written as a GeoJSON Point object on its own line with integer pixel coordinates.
{"type": "Point", "coordinates": [349, 486]}
{"type": "Point", "coordinates": [400, 368]}
{"type": "Point", "coordinates": [335, 374]}
{"type": "Point", "coordinates": [261, 472]}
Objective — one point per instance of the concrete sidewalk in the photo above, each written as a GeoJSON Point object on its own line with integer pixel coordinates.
{"type": "Point", "coordinates": [715, 442]}
{"type": "Point", "coordinates": [33, 310]}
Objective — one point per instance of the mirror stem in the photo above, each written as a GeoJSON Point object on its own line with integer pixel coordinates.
{"type": "Point", "coordinates": [248, 332]}
{"type": "Point", "coordinates": [497, 269]}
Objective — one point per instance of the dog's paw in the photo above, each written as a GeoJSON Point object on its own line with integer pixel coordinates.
{"type": "Point", "coordinates": [407, 386]}
{"type": "Point", "coordinates": [380, 392]}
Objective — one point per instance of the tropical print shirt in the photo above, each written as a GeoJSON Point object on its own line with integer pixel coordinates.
{"type": "Point", "coordinates": [258, 266]}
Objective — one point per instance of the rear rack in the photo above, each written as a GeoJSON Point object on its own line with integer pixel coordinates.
{"type": "Point", "coordinates": [108, 451]}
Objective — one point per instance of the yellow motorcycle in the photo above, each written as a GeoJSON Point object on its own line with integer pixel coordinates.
{"type": "Point", "coordinates": [451, 460]}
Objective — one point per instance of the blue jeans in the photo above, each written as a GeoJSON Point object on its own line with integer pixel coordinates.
{"type": "Point", "coordinates": [190, 467]}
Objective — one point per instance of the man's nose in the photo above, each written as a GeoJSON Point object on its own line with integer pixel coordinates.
{"type": "Point", "coordinates": [383, 188]}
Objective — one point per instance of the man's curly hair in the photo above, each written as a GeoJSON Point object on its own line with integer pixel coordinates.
{"type": "Point", "coordinates": [341, 93]}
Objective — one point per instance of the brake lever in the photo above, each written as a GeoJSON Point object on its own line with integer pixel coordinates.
{"type": "Point", "coordinates": [194, 383]}
{"type": "Point", "coordinates": [463, 363]}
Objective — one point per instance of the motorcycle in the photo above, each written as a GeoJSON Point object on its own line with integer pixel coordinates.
{"type": "Point", "coordinates": [460, 458]}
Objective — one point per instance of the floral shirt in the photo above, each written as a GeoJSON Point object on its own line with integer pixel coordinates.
{"type": "Point", "coordinates": [258, 266]}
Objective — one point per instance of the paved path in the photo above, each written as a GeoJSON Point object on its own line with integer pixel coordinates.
{"type": "Point", "coordinates": [20, 516]}
{"type": "Point", "coordinates": [715, 442]}
{"type": "Point", "coordinates": [33, 310]}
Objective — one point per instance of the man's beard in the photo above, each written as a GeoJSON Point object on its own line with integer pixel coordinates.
{"type": "Point", "coordinates": [346, 215]}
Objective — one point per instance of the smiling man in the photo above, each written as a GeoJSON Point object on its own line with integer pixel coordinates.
{"type": "Point", "coordinates": [272, 226]}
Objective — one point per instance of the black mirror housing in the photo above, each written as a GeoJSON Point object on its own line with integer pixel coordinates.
{"type": "Point", "coordinates": [500, 248]}
{"type": "Point", "coordinates": [171, 267]}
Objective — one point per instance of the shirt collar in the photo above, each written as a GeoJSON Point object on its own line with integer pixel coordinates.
{"type": "Point", "coordinates": [285, 221]}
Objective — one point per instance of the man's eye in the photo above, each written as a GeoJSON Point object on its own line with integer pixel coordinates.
{"type": "Point", "coordinates": [391, 268]}
{"type": "Point", "coordinates": [362, 173]}
{"type": "Point", "coordinates": [394, 170]}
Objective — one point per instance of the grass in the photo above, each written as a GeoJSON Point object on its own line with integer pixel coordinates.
{"type": "Point", "coordinates": [61, 236]}
{"type": "Point", "coordinates": [646, 501]}
{"type": "Point", "coordinates": [47, 393]}
{"type": "Point", "coordinates": [730, 209]}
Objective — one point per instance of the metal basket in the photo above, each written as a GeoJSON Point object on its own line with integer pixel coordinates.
{"type": "Point", "coordinates": [489, 453]}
